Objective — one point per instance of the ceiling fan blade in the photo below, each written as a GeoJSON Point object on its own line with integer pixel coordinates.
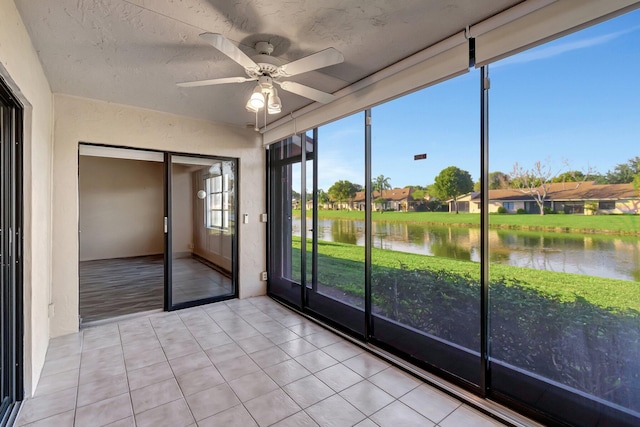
{"type": "Point", "coordinates": [307, 92]}
{"type": "Point", "coordinates": [216, 81]}
{"type": "Point", "coordinates": [225, 46]}
{"type": "Point", "coordinates": [321, 59]}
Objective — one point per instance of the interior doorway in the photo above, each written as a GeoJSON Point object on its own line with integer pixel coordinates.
{"type": "Point", "coordinates": [121, 199]}
{"type": "Point", "coordinates": [157, 231]}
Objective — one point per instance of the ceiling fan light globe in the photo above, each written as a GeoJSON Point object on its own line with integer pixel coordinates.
{"type": "Point", "coordinates": [274, 110]}
{"type": "Point", "coordinates": [274, 99]}
{"type": "Point", "coordinates": [249, 106]}
{"type": "Point", "coordinates": [274, 106]}
{"type": "Point", "coordinates": [257, 100]}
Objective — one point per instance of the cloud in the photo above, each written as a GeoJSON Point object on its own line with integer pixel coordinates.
{"type": "Point", "coordinates": [560, 48]}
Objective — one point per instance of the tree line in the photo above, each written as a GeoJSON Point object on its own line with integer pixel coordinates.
{"type": "Point", "coordinates": [623, 173]}
{"type": "Point", "coordinates": [453, 182]}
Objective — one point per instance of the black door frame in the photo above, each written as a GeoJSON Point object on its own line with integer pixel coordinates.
{"type": "Point", "coordinates": [11, 250]}
{"type": "Point", "coordinates": [168, 235]}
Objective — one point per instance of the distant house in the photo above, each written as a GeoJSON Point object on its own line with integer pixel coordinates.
{"type": "Point", "coordinates": [343, 206]}
{"type": "Point", "coordinates": [586, 198]}
{"type": "Point", "coordinates": [469, 202]}
{"type": "Point", "coordinates": [396, 199]}
{"type": "Point", "coordinates": [327, 205]}
{"type": "Point", "coordinates": [359, 201]}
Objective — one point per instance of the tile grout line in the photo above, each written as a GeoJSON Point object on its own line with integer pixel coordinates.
{"type": "Point", "coordinates": [117, 327]}
{"type": "Point", "coordinates": [448, 415]}
{"type": "Point", "coordinates": [227, 382]}
{"type": "Point", "coordinates": [213, 364]}
{"type": "Point", "coordinates": [126, 373]}
{"type": "Point", "coordinates": [204, 351]}
{"type": "Point", "coordinates": [155, 332]}
{"type": "Point", "coordinates": [243, 403]}
{"type": "Point", "coordinates": [75, 406]}
{"type": "Point", "coordinates": [262, 370]}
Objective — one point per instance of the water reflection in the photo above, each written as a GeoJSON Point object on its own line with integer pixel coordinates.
{"type": "Point", "coordinates": [593, 255]}
{"type": "Point", "coordinates": [344, 231]}
{"type": "Point", "coordinates": [450, 250]}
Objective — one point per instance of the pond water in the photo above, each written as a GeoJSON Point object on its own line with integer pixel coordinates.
{"type": "Point", "coordinates": [615, 257]}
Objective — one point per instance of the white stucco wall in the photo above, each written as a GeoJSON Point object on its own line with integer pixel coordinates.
{"type": "Point", "coordinates": [82, 120]}
{"type": "Point", "coordinates": [20, 68]}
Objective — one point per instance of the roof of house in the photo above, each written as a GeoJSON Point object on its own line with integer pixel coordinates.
{"type": "Point", "coordinates": [393, 195]}
{"type": "Point", "coordinates": [566, 191]}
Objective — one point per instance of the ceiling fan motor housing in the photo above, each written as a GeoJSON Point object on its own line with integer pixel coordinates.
{"type": "Point", "coordinates": [264, 48]}
{"type": "Point", "coordinates": [268, 66]}
{"type": "Point", "coordinates": [266, 83]}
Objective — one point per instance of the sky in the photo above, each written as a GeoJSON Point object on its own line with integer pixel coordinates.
{"type": "Point", "coordinates": [573, 102]}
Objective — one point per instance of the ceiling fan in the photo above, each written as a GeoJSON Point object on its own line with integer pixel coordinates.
{"type": "Point", "coordinates": [268, 70]}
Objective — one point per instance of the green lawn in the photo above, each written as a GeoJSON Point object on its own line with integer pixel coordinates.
{"type": "Point", "coordinates": [606, 224]}
{"type": "Point", "coordinates": [341, 265]}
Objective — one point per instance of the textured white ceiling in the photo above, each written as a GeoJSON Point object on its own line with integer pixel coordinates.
{"type": "Point", "coordinates": [134, 51]}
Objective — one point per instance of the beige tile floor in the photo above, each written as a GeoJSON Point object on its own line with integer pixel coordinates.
{"type": "Point", "coordinates": [237, 363]}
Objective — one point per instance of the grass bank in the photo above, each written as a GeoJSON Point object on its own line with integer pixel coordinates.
{"type": "Point", "coordinates": [342, 265]}
{"type": "Point", "coordinates": [602, 224]}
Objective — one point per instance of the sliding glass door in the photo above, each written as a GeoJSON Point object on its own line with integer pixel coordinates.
{"type": "Point", "coordinates": [335, 213]}
{"type": "Point", "coordinates": [286, 217]}
{"type": "Point", "coordinates": [201, 226]}
{"type": "Point", "coordinates": [10, 253]}
{"type": "Point", "coordinates": [317, 262]}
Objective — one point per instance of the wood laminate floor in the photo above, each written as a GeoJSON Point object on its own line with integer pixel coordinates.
{"type": "Point", "coordinates": [121, 286]}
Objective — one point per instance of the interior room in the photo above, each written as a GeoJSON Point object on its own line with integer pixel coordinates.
{"type": "Point", "coordinates": [121, 237]}
{"type": "Point", "coordinates": [337, 213]}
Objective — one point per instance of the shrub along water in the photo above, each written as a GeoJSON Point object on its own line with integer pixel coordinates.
{"type": "Point", "coordinates": [575, 343]}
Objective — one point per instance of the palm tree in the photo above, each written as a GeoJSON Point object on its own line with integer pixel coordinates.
{"type": "Point", "coordinates": [378, 184]}
{"type": "Point", "coordinates": [381, 183]}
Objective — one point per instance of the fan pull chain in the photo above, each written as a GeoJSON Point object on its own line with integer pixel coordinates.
{"type": "Point", "coordinates": [256, 128]}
